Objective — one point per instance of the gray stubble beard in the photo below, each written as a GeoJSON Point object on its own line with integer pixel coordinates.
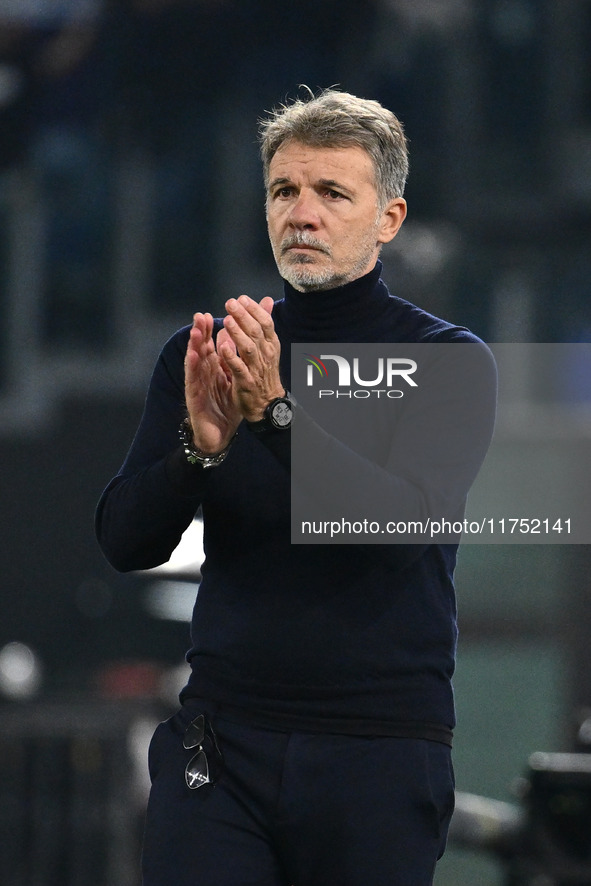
{"type": "Point", "coordinates": [299, 271]}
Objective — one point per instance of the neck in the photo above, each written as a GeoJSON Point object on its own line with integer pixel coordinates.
{"type": "Point", "coordinates": [334, 314]}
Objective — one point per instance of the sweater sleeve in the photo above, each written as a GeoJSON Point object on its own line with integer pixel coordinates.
{"type": "Point", "coordinates": [147, 506]}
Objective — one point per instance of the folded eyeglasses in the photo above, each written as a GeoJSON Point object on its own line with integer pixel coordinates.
{"type": "Point", "coordinates": [201, 768]}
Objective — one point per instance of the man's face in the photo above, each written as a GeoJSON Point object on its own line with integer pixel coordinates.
{"type": "Point", "coordinates": [322, 215]}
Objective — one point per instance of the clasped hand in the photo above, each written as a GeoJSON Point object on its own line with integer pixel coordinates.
{"type": "Point", "coordinates": [235, 377]}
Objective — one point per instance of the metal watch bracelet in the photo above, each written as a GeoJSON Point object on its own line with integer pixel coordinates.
{"type": "Point", "coordinates": [196, 456]}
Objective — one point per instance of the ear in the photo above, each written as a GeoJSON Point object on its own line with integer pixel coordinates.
{"type": "Point", "coordinates": [391, 220]}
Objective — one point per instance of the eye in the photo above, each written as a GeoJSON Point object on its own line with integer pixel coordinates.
{"type": "Point", "coordinates": [283, 192]}
{"type": "Point", "coordinates": [334, 195]}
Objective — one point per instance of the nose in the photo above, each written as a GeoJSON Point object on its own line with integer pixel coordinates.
{"type": "Point", "coordinates": [304, 212]}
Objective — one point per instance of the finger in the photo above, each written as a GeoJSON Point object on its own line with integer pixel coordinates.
{"type": "Point", "coordinates": [255, 319]}
{"type": "Point", "coordinates": [267, 304]}
{"type": "Point", "coordinates": [223, 342]}
{"type": "Point", "coordinates": [240, 316]}
{"type": "Point", "coordinates": [201, 334]}
{"type": "Point", "coordinates": [224, 338]}
{"type": "Point", "coordinates": [200, 330]}
{"type": "Point", "coordinates": [203, 323]}
{"type": "Point", "coordinates": [247, 344]}
{"type": "Point", "coordinates": [234, 363]}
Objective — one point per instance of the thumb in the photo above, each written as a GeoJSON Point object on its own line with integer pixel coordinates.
{"type": "Point", "coordinates": [223, 338]}
{"type": "Point", "coordinates": [225, 343]}
{"type": "Point", "coordinates": [267, 304]}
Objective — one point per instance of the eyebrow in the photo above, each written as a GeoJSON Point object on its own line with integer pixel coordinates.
{"type": "Point", "coordinates": [324, 182]}
{"type": "Point", "coordinates": [333, 183]}
{"type": "Point", "coordinates": [278, 181]}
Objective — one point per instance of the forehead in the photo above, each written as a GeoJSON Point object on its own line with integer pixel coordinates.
{"type": "Point", "coordinates": [295, 161]}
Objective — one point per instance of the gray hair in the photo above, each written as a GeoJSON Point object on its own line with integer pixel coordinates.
{"type": "Point", "coordinates": [336, 119]}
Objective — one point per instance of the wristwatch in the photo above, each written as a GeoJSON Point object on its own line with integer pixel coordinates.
{"type": "Point", "coordinates": [196, 456]}
{"type": "Point", "coordinates": [278, 416]}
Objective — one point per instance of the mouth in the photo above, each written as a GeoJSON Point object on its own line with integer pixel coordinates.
{"type": "Point", "coordinates": [290, 246]}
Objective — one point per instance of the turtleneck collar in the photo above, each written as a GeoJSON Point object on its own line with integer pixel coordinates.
{"type": "Point", "coordinates": [333, 314]}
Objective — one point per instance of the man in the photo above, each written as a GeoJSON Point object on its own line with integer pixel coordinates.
{"type": "Point", "coordinates": [313, 742]}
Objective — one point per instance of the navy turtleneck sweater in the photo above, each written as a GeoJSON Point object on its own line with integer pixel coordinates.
{"type": "Point", "coordinates": [349, 638]}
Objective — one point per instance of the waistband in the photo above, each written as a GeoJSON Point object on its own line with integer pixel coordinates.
{"type": "Point", "coordinates": [337, 726]}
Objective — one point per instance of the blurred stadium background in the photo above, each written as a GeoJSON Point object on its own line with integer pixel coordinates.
{"type": "Point", "coordinates": [131, 196]}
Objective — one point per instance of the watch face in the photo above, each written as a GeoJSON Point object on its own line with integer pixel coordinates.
{"type": "Point", "coordinates": [281, 414]}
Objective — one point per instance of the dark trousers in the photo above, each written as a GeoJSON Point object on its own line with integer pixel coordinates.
{"type": "Point", "coordinates": [296, 809]}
